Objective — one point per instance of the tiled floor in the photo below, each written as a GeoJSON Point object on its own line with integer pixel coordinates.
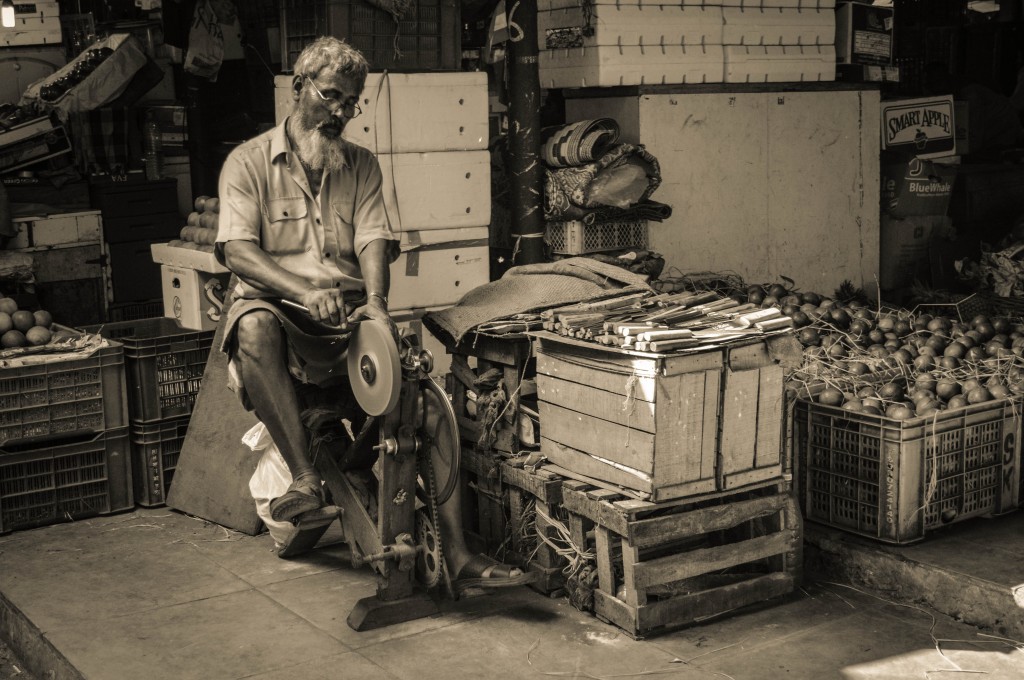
{"type": "Point", "coordinates": [155, 594]}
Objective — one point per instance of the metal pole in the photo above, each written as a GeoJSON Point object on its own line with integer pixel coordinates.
{"type": "Point", "coordinates": [525, 167]}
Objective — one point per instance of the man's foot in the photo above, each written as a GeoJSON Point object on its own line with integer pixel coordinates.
{"type": "Point", "coordinates": [303, 495]}
{"type": "Point", "coordinates": [483, 572]}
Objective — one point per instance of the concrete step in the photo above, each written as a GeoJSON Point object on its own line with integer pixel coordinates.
{"type": "Point", "coordinates": [972, 571]}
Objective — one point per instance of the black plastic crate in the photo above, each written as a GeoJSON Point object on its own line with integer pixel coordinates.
{"type": "Point", "coordinates": [61, 397]}
{"type": "Point", "coordinates": [155, 451]}
{"type": "Point", "coordinates": [164, 364]}
{"type": "Point", "coordinates": [58, 482]}
{"type": "Point", "coordinates": [133, 311]}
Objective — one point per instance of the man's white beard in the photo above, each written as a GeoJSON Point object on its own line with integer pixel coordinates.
{"type": "Point", "coordinates": [318, 151]}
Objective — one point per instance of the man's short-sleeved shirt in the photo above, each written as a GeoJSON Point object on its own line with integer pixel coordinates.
{"type": "Point", "coordinates": [265, 199]}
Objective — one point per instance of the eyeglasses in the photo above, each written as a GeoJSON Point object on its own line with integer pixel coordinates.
{"type": "Point", "coordinates": [350, 108]}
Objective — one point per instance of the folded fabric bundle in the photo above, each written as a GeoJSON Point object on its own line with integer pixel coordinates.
{"type": "Point", "coordinates": [622, 178]}
{"type": "Point", "coordinates": [652, 211]}
{"type": "Point", "coordinates": [578, 143]}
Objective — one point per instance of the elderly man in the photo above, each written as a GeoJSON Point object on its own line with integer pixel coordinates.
{"type": "Point", "coordinates": [302, 219]}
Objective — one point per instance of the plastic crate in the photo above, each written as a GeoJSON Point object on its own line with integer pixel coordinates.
{"type": "Point", "coordinates": [155, 450]}
{"type": "Point", "coordinates": [42, 485]}
{"type": "Point", "coordinates": [133, 311]}
{"type": "Point", "coordinates": [62, 397]}
{"type": "Point", "coordinates": [896, 480]}
{"type": "Point", "coordinates": [577, 238]}
{"type": "Point", "coordinates": [426, 38]}
{"type": "Point", "coordinates": [164, 364]}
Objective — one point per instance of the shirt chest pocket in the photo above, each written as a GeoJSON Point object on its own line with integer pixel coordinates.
{"type": "Point", "coordinates": [286, 229]}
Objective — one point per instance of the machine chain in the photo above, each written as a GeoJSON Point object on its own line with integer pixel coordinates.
{"type": "Point", "coordinates": [435, 518]}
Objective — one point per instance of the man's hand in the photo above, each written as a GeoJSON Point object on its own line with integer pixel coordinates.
{"type": "Point", "coordinates": [376, 309]}
{"type": "Point", "coordinates": [326, 306]}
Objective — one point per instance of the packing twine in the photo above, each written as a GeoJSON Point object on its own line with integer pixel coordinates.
{"type": "Point", "coordinates": [629, 403]}
{"type": "Point", "coordinates": [580, 570]}
{"type": "Point", "coordinates": [515, 392]}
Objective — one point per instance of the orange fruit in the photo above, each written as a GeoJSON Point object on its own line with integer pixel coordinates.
{"type": "Point", "coordinates": [37, 335]}
{"type": "Point", "coordinates": [8, 306]}
{"type": "Point", "coordinates": [43, 318]}
{"type": "Point", "coordinates": [23, 320]}
{"type": "Point", "coordinates": [12, 339]}
{"type": "Point", "coordinates": [5, 322]}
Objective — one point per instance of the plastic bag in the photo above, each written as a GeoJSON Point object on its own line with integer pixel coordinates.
{"type": "Point", "coordinates": [205, 43]}
{"type": "Point", "coordinates": [270, 480]}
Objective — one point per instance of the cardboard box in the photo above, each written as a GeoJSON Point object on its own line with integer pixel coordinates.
{"type": "Point", "coordinates": [923, 127]}
{"type": "Point", "coordinates": [781, 26]}
{"type": "Point", "coordinates": [194, 299]}
{"type": "Point", "coordinates": [440, 190]}
{"type": "Point", "coordinates": [904, 248]}
{"type": "Point", "coordinates": [31, 142]}
{"type": "Point", "coordinates": [57, 229]}
{"type": "Point", "coordinates": [867, 73]}
{"type": "Point", "coordinates": [917, 188]}
{"type": "Point", "coordinates": [864, 33]}
{"type": "Point", "coordinates": [699, 423]}
{"type": "Point", "coordinates": [437, 267]}
{"type": "Point", "coordinates": [187, 258]}
{"type": "Point", "coordinates": [613, 65]}
{"type": "Point", "coordinates": [776, 64]}
{"type": "Point", "coordinates": [628, 24]}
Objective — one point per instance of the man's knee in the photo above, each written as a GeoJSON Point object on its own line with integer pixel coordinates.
{"type": "Point", "coordinates": [259, 335]}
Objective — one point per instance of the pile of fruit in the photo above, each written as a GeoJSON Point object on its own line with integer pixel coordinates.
{"type": "Point", "coordinates": [22, 328]}
{"type": "Point", "coordinates": [896, 363]}
{"type": "Point", "coordinates": [201, 225]}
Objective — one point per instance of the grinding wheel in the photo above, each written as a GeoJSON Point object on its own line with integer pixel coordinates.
{"type": "Point", "coordinates": [374, 368]}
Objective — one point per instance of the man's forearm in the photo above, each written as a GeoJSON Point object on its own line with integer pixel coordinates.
{"type": "Point", "coordinates": [253, 266]}
{"type": "Point", "coordinates": [375, 267]}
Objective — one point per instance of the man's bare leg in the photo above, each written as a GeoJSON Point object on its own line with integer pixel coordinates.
{"type": "Point", "coordinates": [262, 361]}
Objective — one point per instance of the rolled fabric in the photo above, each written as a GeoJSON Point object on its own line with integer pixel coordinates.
{"type": "Point", "coordinates": [578, 143]}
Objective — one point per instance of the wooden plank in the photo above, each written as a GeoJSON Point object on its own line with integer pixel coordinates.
{"type": "Point", "coordinates": [633, 595]}
{"type": "Point", "coordinates": [515, 505]}
{"type": "Point", "coordinates": [600, 514]}
{"type": "Point", "coordinates": [748, 357]}
{"type": "Point", "coordinates": [627, 410]}
{"type": "Point", "coordinates": [692, 607]}
{"type": "Point", "coordinates": [627, 446]}
{"type": "Point", "coordinates": [739, 421]}
{"type": "Point", "coordinates": [545, 555]}
{"type": "Point", "coordinates": [647, 533]}
{"type": "Point", "coordinates": [603, 550]}
{"type": "Point", "coordinates": [632, 507]}
{"type": "Point", "coordinates": [211, 480]}
{"type": "Point", "coordinates": [679, 438]}
{"type": "Point", "coordinates": [602, 494]}
{"type": "Point", "coordinates": [644, 362]}
{"type": "Point", "coordinates": [577, 532]}
{"type": "Point", "coordinates": [584, 464]}
{"type": "Point", "coordinates": [704, 560]}
{"type": "Point", "coordinates": [684, 492]}
{"type": "Point", "coordinates": [511, 374]}
{"type": "Point", "coordinates": [608, 377]}
{"type": "Point", "coordinates": [708, 360]}
{"type": "Point", "coordinates": [710, 446]}
{"type": "Point", "coordinates": [590, 481]}
{"type": "Point", "coordinates": [742, 479]}
{"type": "Point", "coordinates": [496, 350]}
{"type": "Point", "coordinates": [769, 416]}
{"type": "Point", "coordinates": [546, 488]}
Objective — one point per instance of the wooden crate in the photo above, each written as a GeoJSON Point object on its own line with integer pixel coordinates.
{"type": "Point", "coordinates": [666, 426]}
{"type": "Point", "coordinates": [512, 356]}
{"type": "Point", "coordinates": [665, 565]}
{"type": "Point", "coordinates": [534, 494]}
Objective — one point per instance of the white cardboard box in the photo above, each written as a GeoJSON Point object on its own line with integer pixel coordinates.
{"type": "Point", "coordinates": [195, 299]}
{"type": "Point", "coordinates": [57, 229]}
{"type": "Point", "coordinates": [785, 64]}
{"type": "Point", "coordinates": [778, 26]}
{"type": "Point", "coordinates": [610, 65]}
{"type": "Point", "coordinates": [439, 190]}
{"type": "Point", "coordinates": [437, 267]}
{"type": "Point", "coordinates": [630, 25]}
{"type": "Point", "coordinates": [186, 258]}
{"type": "Point", "coordinates": [413, 112]}
{"type": "Point", "coordinates": [32, 32]}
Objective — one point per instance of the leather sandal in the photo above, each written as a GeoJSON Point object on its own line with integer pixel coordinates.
{"type": "Point", "coordinates": [303, 495]}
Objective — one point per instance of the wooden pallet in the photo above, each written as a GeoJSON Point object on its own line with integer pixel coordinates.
{"type": "Point", "coordinates": [684, 561]}
{"type": "Point", "coordinates": [544, 489]}
{"type": "Point", "coordinates": [484, 507]}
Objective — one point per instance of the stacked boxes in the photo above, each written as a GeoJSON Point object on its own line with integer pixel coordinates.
{"type": "Point", "coordinates": [63, 437]}
{"type": "Point", "coordinates": [36, 23]}
{"type": "Point", "coordinates": [164, 365]}
{"type": "Point", "coordinates": [639, 42]}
